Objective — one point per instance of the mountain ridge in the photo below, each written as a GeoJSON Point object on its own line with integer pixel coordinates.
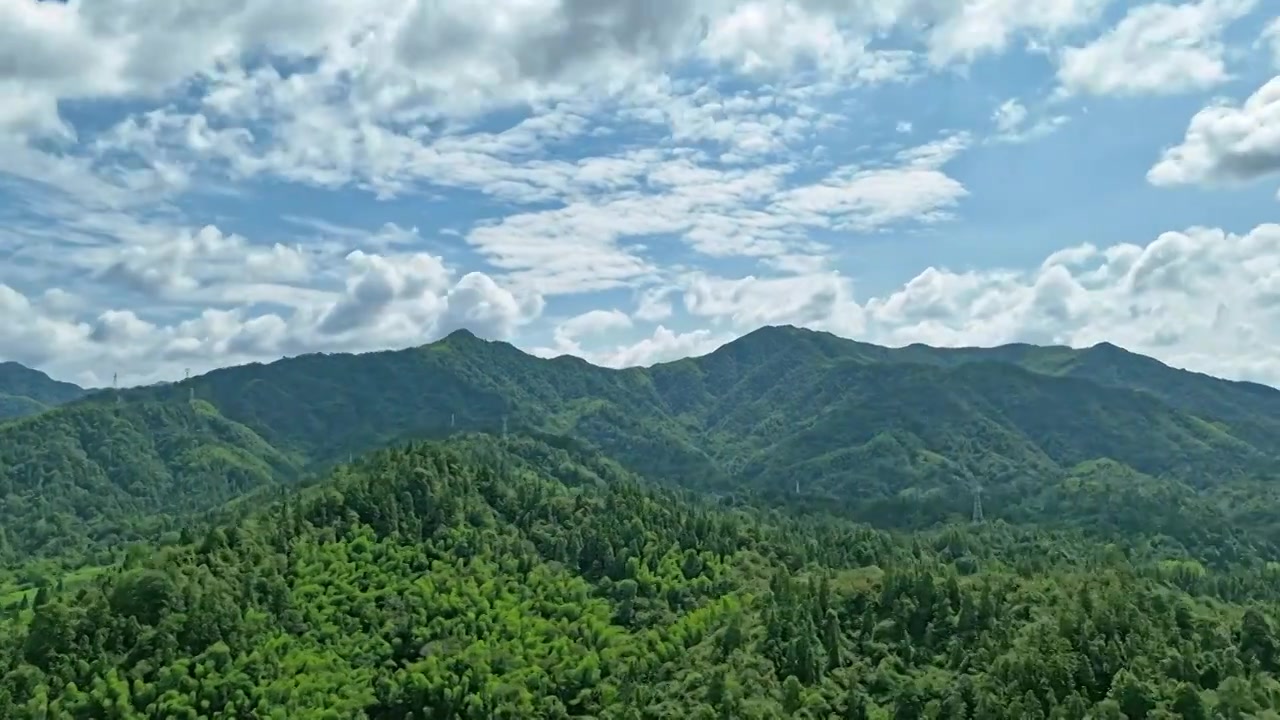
{"type": "Point", "coordinates": [894, 436]}
{"type": "Point", "coordinates": [27, 391]}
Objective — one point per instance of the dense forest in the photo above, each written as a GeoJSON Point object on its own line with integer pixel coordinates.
{"type": "Point", "coordinates": [782, 528]}
{"type": "Point", "coordinates": [492, 578]}
{"type": "Point", "coordinates": [900, 438]}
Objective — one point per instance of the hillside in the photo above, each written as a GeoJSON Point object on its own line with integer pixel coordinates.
{"type": "Point", "coordinates": [91, 474]}
{"type": "Point", "coordinates": [512, 579]}
{"type": "Point", "coordinates": [24, 391]}
{"type": "Point", "coordinates": [898, 437]}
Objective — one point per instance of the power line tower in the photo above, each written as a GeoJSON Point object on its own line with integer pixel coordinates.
{"type": "Point", "coordinates": [191, 391]}
{"type": "Point", "coordinates": [504, 426]}
{"type": "Point", "coordinates": [115, 385]}
{"type": "Point", "coordinates": [977, 505]}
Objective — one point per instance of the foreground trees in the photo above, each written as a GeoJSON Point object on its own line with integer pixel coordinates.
{"type": "Point", "coordinates": [510, 579]}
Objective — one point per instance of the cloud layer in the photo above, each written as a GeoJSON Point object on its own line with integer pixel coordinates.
{"type": "Point", "coordinates": [190, 184]}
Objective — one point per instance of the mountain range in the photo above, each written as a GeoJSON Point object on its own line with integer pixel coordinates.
{"type": "Point", "coordinates": [794, 525]}
{"type": "Point", "coordinates": [903, 437]}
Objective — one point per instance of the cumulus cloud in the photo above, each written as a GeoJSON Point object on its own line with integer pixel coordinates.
{"type": "Point", "coordinates": [186, 260]}
{"type": "Point", "coordinates": [969, 28]}
{"type": "Point", "coordinates": [1157, 48]}
{"type": "Point", "coordinates": [729, 136]}
{"type": "Point", "coordinates": [403, 59]}
{"type": "Point", "coordinates": [663, 345]}
{"type": "Point", "coordinates": [1225, 143]}
{"type": "Point", "coordinates": [1166, 298]}
{"type": "Point", "coordinates": [590, 324]}
{"type": "Point", "coordinates": [1202, 299]}
{"type": "Point", "coordinates": [823, 300]}
{"type": "Point", "coordinates": [385, 301]}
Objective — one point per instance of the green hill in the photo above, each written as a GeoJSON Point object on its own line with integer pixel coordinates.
{"type": "Point", "coordinates": [24, 391]}
{"type": "Point", "coordinates": [514, 579]}
{"type": "Point", "coordinates": [898, 437]}
{"type": "Point", "coordinates": [91, 474]}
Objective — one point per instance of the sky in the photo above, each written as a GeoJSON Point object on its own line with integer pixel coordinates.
{"type": "Point", "coordinates": [188, 184]}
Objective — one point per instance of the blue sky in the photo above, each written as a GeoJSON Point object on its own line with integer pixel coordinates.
{"type": "Point", "coordinates": [187, 185]}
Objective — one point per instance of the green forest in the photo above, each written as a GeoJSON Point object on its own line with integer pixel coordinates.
{"type": "Point", "coordinates": [786, 527]}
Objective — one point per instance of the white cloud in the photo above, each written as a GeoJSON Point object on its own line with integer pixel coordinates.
{"type": "Point", "coordinates": [969, 28]}
{"type": "Point", "coordinates": [857, 199]}
{"type": "Point", "coordinates": [568, 334]}
{"type": "Point", "coordinates": [1011, 120]}
{"type": "Point", "coordinates": [654, 304]}
{"type": "Point", "coordinates": [403, 61]}
{"type": "Point", "coordinates": [385, 301]}
{"type": "Point", "coordinates": [662, 345]}
{"type": "Point", "coordinates": [765, 35]}
{"type": "Point", "coordinates": [1167, 299]}
{"type": "Point", "coordinates": [719, 212]}
{"type": "Point", "coordinates": [1009, 116]}
{"type": "Point", "coordinates": [736, 164]}
{"type": "Point", "coordinates": [1271, 36]}
{"type": "Point", "coordinates": [1202, 299]}
{"type": "Point", "coordinates": [184, 261]}
{"type": "Point", "coordinates": [822, 300]}
{"type": "Point", "coordinates": [1157, 48]}
{"type": "Point", "coordinates": [1226, 143]}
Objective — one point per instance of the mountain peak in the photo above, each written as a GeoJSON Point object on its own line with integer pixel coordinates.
{"type": "Point", "coordinates": [1112, 354]}
{"type": "Point", "coordinates": [460, 338]}
{"type": "Point", "coordinates": [461, 335]}
{"type": "Point", "coordinates": [16, 372]}
{"type": "Point", "coordinates": [1108, 347]}
{"type": "Point", "coordinates": [772, 334]}
{"type": "Point", "coordinates": [30, 390]}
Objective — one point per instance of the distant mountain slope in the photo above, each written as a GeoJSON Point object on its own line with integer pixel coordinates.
{"type": "Point", "coordinates": [1252, 409]}
{"type": "Point", "coordinates": [24, 391]}
{"type": "Point", "coordinates": [773, 401]}
{"type": "Point", "coordinates": [898, 436]}
{"type": "Point", "coordinates": [92, 472]}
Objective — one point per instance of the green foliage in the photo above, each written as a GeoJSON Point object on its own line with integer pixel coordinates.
{"type": "Point", "coordinates": [681, 540]}
{"type": "Point", "coordinates": [894, 437]}
{"type": "Point", "coordinates": [94, 474]}
{"type": "Point", "coordinates": [511, 578]}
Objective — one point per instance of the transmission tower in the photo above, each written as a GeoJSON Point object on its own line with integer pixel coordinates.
{"type": "Point", "coordinates": [977, 504]}
{"type": "Point", "coordinates": [115, 385]}
{"type": "Point", "coordinates": [504, 426]}
{"type": "Point", "coordinates": [191, 391]}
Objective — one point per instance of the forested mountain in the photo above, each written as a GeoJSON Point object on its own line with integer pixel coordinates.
{"type": "Point", "coordinates": [24, 391]}
{"type": "Point", "coordinates": [93, 473]}
{"type": "Point", "coordinates": [900, 437]}
{"type": "Point", "coordinates": [509, 578]}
